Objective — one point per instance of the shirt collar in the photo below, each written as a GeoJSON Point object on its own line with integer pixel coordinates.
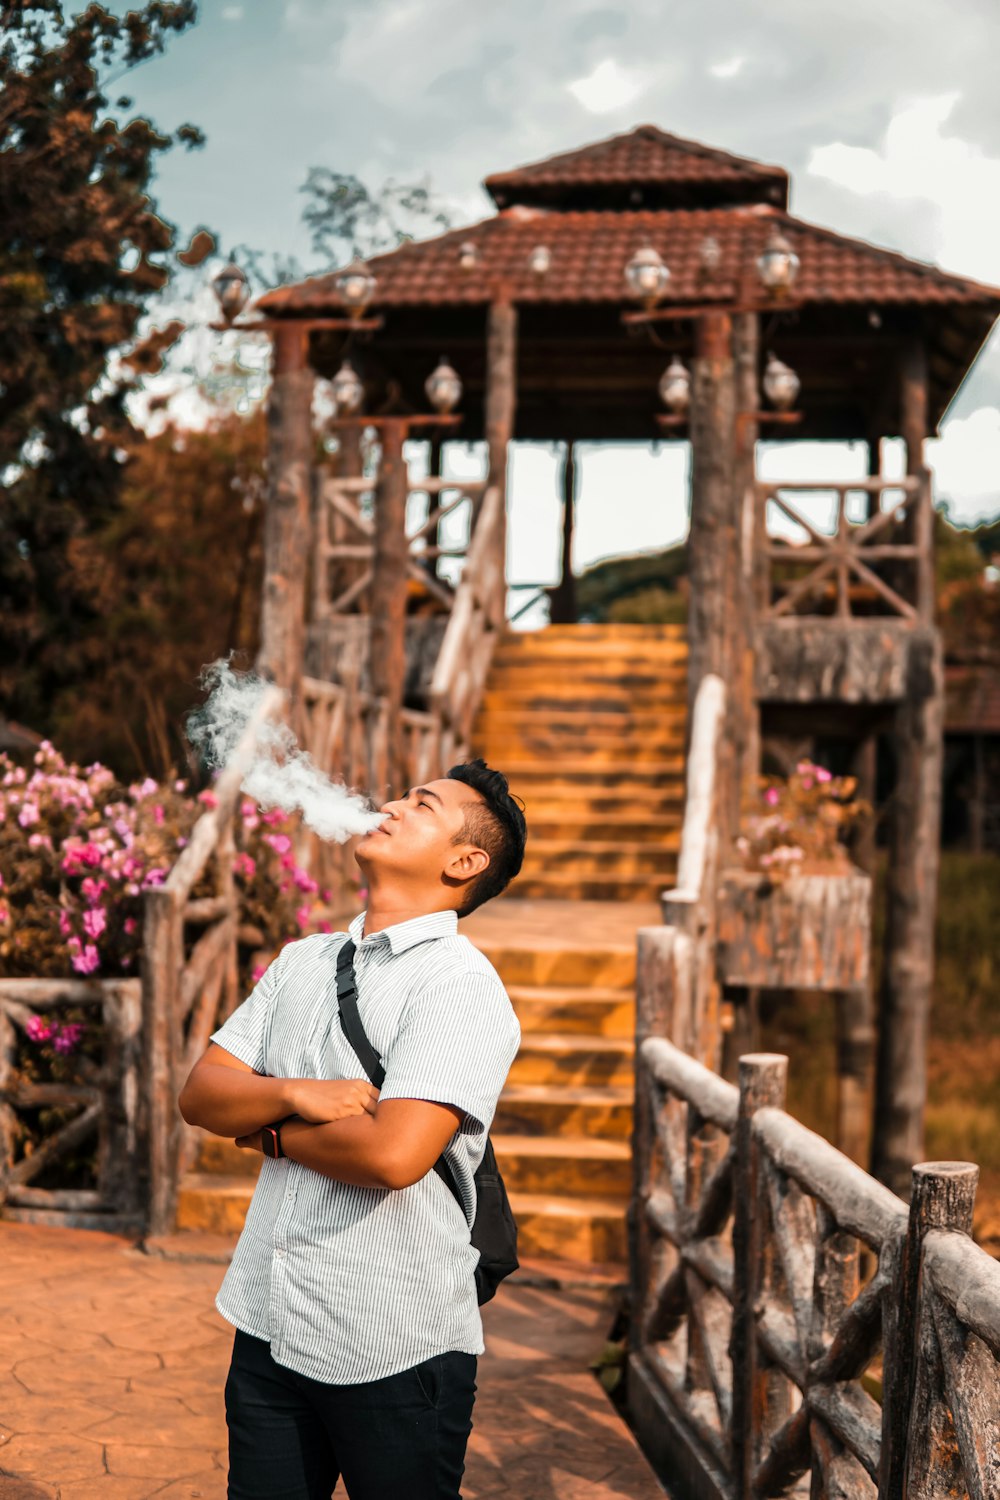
{"type": "Point", "coordinates": [404, 935]}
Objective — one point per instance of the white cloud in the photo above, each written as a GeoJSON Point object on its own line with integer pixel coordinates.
{"type": "Point", "coordinates": [917, 160]}
{"type": "Point", "coordinates": [232, 12]}
{"type": "Point", "coordinates": [607, 88]}
{"type": "Point", "coordinates": [966, 464]}
{"type": "Point", "coordinates": [728, 69]}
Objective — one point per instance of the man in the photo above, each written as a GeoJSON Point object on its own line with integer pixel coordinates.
{"type": "Point", "coordinates": [352, 1287]}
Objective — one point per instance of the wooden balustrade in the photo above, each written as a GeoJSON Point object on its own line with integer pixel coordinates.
{"type": "Point", "coordinates": [795, 1328]}
{"type": "Point", "coordinates": [840, 574]}
{"type": "Point", "coordinates": [475, 626]}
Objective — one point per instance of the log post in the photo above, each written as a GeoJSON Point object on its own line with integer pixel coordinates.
{"type": "Point", "coordinates": [919, 528]}
{"type": "Point", "coordinates": [911, 907]}
{"type": "Point", "coordinates": [749, 546]}
{"type": "Point", "coordinates": [287, 527]}
{"type": "Point", "coordinates": [762, 1081]}
{"type": "Point", "coordinates": [162, 964]}
{"type": "Point", "coordinates": [500, 410]}
{"type": "Point", "coordinates": [562, 609]}
{"type": "Point", "coordinates": [388, 603]}
{"type": "Point", "coordinates": [855, 1052]}
{"type": "Point", "coordinates": [713, 536]}
{"type": "Point", "coordinates": [943, 1195]}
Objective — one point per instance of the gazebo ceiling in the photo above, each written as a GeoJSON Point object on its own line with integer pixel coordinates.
{"type": "Point", "coordinates": [581, 372]}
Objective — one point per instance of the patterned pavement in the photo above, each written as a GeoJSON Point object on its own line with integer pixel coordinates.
{"type": "Point", "coordinates": [113, 1361]}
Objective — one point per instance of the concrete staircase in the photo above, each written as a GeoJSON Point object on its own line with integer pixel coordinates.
{"type": "Point", "coordinates": [588, 722]}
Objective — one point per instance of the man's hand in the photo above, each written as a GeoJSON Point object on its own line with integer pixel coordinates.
{"type": "Point", "coordinates": [319, 1101]}
{"type": "Point", "coordinates": [251, 1142]}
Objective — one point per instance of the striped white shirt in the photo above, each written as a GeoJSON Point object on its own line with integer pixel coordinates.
{"type": "Point", "coordinates": [350, 1284]}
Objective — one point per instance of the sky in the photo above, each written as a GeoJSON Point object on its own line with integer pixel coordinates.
{"type": "Point", "coordinates": [883, 112]}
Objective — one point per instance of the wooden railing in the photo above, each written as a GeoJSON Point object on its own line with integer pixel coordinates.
{"type": "Point", "coordinates": [344, 543]}
{"type": "Point", "coordinates": [477, 621]}
{"type": "Point", "coordinates": [105, 1101]}
{"type": "Point", "coordinates": [840, 575]}
{"type": "Point", "coordinates": [795, 1328]}
{"type": "Point", "coordinates": [190, 974]}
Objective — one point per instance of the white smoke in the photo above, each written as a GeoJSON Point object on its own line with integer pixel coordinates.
{"type": "Point", "coordinates": [278, 772]}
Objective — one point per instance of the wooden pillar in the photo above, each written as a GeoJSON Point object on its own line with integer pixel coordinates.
{"type": "Point", "coordinates": [500, 405]}
{"type": "Point", "coordinates": [913, 407]}
{"type": "Point", "coordinates": [388, 608]}
{"type": "Point", "coordinates": [977, 800]}
{"type": "Point", "coordinates": [287, 527]}
{"type": "Point", "coordinates": [911, 906]}
{"type": "Point", "coordinates": [713, 537]}
{"type": "Point", "coordinates": [750, 543]}
{"type": "Point", "coordinates": [563, 606]}
{"type": "Point", "coordinates": [855, 1051]}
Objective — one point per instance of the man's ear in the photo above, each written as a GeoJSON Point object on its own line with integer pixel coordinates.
{"type": "Point", "coordinates": [467, 864]}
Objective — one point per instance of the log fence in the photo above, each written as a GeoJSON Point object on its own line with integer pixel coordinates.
{"type": "Point", "coordinates": [796, 1329]}
{"type": "Point", "coordinates": [843, 571]}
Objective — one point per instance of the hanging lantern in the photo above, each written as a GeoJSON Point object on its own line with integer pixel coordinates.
{"type": "Point", "coordinates": [232, 290]}
{"type": "Point", "coordinates": [675, 387]}
{"type": "Point", "coordinates": [468, 256]}
{"type": "Point", "coordinates": [348, 392]}
{"type": "Point", "coordinates": [540, 260]}
{"type": "Point", "coordinates": [646, 276]}
{"type": "Point", "coordinates": [444, 388]}
{"type": "Point", "coordinates": [356, 286]}
{"type": "Point", "coordinates": [781, 384]}
{"type": "Point", "coordinates": [778, 265]}
{"type": "Point", "coordinates": [710, 255]}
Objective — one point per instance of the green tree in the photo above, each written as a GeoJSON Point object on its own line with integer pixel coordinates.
{"type": "Point", "coordinates": [83, 250]}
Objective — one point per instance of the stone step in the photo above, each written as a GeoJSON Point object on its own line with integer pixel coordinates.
{"type": "Point", "coordinates": [575, 773]}
{"type": "Point", "coordinates": [560, 966]}
{"type": "Point", "coordinates": [510, 690]}
{"type": "Point", "coordinates": [595, 1012]}
{"type": "Point", "coordinates": [559, 886]}
{"type": "Point", "coordinates": [574, 1229]}
{"type": "Point", "coordinates": [582, 857]}
{"type": "Point", "coordinates": [223, 1157]}
{"type": "Point", "coordinates": [566, 1166]}
{"type": "Point", "coordinates": [539, 643]}
{"type": "Point", "coordinates": [538, 1109]}
{"type": "Point", "coordinates": [555, 804]}
{"type": "Point", "coordinates": [583, 718]}
{"type": "Point", "coordinates": [213, 1202]}
{"type": "Point", "coordinates": [550, 825]}
{"type": "Point", "coordinates": [616, 755]}
{"type": "Point", "coordinates": [613, 629]}
{"type": "Point", "coordinates": [573, 1060]}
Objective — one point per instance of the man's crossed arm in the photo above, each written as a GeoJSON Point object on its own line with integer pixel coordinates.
{"type": "Point", "coordinates": [338, 1126]}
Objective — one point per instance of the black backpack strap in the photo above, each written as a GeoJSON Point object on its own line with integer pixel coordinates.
{"type": "Point", "coordinates": [350, 1020]}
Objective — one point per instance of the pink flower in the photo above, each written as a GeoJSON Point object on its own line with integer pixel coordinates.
{"type": "Point", "coordinates": [822, 775]}
{"type": "Point", "coordinates": [326, 927]}
{"type": "Point", "coordinates": [326, 893]}
{"type": "Point", "coordinates": [288, 861]}
{"type": "Point", "coordinates": [65, 922]}
{"type": "Point", "coordinates": [208, 798]}
{"type": "Point", "coordinates": [276, 815]}
{"type": "Point", "coordinates": [279, 842]}
{"type": "Point", "coordinates": [180, 786]}
{"type": "Point", "coordinates": [94, 921]}
{"type": "Point", "coordinates": [772, 797]}
{"type": "Point", "coordinates": [144, 789]}
{"type": "Point", "coordinates": [4, 914]}
{"type": "Point", "coordinates": [302, 916]}
{"type": "Point", "coordinates": [1, 882]}
{"type": "Point", "coordinates": [158, 814]}
{"type": "Point", "coordinates": [87, 960]}
{"type": "Point", "coordinates": [93, 889]}
{"type": "Point", "coordinates": [155, 876]}
{"type": "Point", "coordinates": [37, 1029]}
{"type": "Point", "coordinates": [129, 925]}
{"type": "Point", "coordinates": [807, 783]}
{"type": "Point", "coordinates": [245, 865]}
{"type": "Point", "coordinates": [39, 841]}
{"type": "Point", "coordinates": [68, 1037]}
{"type": "Point", "coordinates": [29, 814]}
{"type": "Point", "coordinates": [259, 970]}
{"type": "Point", "coordinates": [304, 881]}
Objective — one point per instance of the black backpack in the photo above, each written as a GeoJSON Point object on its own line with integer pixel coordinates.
{"type": "Point", "coordinates": [494, 1232]}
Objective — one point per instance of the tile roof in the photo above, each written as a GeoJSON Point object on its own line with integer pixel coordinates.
{"type": "Point", "coordinates": [643, 157]}
{"type": "Point", "coordinates": [589, 250]}
{"type": "Point", "coordinates": [972, 700]}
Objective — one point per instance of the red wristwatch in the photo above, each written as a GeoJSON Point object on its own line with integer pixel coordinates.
{"type": "Point", "coordinates": [270, 1141]}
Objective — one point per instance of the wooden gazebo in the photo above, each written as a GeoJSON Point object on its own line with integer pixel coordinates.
{"type": "Point", "coordinates": [532, 308]}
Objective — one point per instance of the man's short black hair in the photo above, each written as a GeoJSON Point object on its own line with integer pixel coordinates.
{"type": "Point", "coordinates": [496, 824]}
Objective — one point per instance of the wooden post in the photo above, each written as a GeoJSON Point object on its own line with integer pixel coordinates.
{"type": "Point", "coordinates": [563, 606]}
{"type": "Point", "coordinates": [749, 546]}
{"type": "Point", "coordinates": [287, 526]}
{"type": "Point", "coordinates": [864, 766]}
{"type": "Point", "coordinates": [763, 1078]}
{"type": "Point", "coordinates": [500, 409]}
{"type": "Point", "coordinates": [919, 529]}
{"type": "Point", "coordinates": [162, 963]}
{"type": "Point", "coordinates": [713, 537]}
{"type": "Point", "coordinates": [388, 608]}
{"type": "Point", "coordinates": [855, 1053]}
{"type": "Point", "coordinates": [911, 906]}
{"type": "Point", "coordinates": [943, 1196]}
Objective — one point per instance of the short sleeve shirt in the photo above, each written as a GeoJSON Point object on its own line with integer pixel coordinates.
{"type": "Point", "coordinates": [351, 1284]}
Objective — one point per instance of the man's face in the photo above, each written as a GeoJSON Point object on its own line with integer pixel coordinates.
{"type": "Point", "coordinates": [417, 840]}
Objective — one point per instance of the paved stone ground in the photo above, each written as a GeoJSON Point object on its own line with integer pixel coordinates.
{"type": "Point", "coordinates": [113, 1361]}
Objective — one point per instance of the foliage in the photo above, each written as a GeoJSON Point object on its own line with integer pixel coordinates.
{"type": "Point", "coordinates": [647, 588]}
{"type": "Point", "coordinates": [78, 849]}
{"type": "Point", "coordinates": [796, 825]}
{"type": "Point", "coordinates": [173, 581]}
{"type": "Point", "coordinates": [84, 249]}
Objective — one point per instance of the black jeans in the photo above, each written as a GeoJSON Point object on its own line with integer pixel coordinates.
{"type": "Point", "coordinates": [293, 1438]}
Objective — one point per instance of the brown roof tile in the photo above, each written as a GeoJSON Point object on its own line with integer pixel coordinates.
{"type": "Point", "coordinates": [643, 157]}
{"type": "Point", "coordinates": [589, 250]}
{"type": "Point", "coordinates": [972, 700]}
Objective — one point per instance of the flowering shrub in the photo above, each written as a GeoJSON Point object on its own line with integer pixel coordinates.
{"type": "Point", "coordinates": [796, 826]}
{"type": "Point", "coordinates": [78, 849]}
